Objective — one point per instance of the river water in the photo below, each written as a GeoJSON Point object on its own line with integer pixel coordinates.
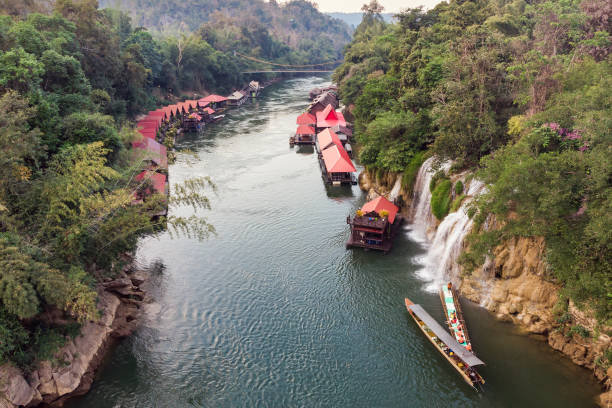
{"type": "Point", "coordinates": [273, 311]}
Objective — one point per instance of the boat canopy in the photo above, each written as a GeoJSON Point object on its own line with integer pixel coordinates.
{"type": "Point", "coordinates": [445, 337]}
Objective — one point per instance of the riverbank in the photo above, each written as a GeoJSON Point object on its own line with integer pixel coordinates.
{"type": "Point", "coordinates": [71, 373]}
{"type": "Point", "coordinates": [512, 286]}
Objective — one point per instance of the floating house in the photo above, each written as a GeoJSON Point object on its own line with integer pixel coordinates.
{"type": "Point", "coordinates": [320, 102]}
{"type": "Point", "coordinates": [151, 153]}
{"type": "Point", "coordinates": [193, 122]}
{"type": "Point", "coordinates": [343, 130]}
{"type": "Point", "coordinates": [375, 225]}
{"type": "Point", "coordinates": [159, 182]}
{"type": "Point", "coordinates": [326, 139]}
{"type": "Point", "coordinates": [216, 101]}
{"type": "Point", "coordinates": [336, 166]}
{"type": "Point", "coordinates": [329, 118]}
{"type": "Point", "coordinates": [306, 119]}
{"type": "Point", "coordinates": [236, 99]}
{"type": "Point", "coordinates": [304, 135]}
{"type": "Point", "coordinates": [253, 90]}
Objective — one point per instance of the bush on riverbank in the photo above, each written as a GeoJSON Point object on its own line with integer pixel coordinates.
{"type": "Point", "coordinates": [518, 89]}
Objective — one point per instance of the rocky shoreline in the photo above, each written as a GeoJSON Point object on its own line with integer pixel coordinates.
{"type": "Point", "coordinates": [120, 301]}
{"type": "Point", "coordinates": [513, 287]}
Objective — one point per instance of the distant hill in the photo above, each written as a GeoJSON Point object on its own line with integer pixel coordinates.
{"type": "Point", "coordinates": [296, 23]}
{"type": "Point", "coordinates": [353, 19]}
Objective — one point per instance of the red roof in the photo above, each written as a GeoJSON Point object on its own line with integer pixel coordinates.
{"type": "Point", "coordinates": [330, 118]}
{"type": "Point", "coordinates": [158, 180]}
{"type": "Point", "coordinates": [305, 130]}
{"type": "Point", "coordinates": [379, 204]}
{"type": "Point", "coordinates": [328, 138]}
{"type": "Point", "coordinates": [155, 150]}
{"type": "Point", "coordinates": [148, 124]}
{"type": "Point", "coordinates": [210, 111]}
{"type": "Point", "coordinates": [168, 111]}
{"type": "Point", "coordinates": [337, 160]}
{"type": "Point", "coordinates": [214, 98]}
{"type": "Point", "coordinates": [306, 119]}
{"type": "Point", "coordinates": [192, 103]}
{"type": "Point", "coordinates": [150, 133]}
{"type": "Point", "coordinates": [202, 103]}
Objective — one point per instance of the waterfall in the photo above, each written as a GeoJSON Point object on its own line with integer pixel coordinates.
{"type": "Point", "coordinates": [396, 189]}
{"type": "Point", "coordinates": [444, 245]}
{"type": "Point", "coordinates": [422, 218]}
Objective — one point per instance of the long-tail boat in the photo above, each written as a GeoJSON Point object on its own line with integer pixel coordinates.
{"type": "Point", "coordinates": [461, 359]}
{"type": "Point", "coordinates": [454, 315]}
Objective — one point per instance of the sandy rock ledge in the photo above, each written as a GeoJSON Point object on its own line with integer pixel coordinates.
{"type": "Point", "coordinates": [119, 302]}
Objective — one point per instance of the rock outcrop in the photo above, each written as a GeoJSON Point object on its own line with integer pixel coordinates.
{"type": "Point", "coordinates": [515, 286]}
{"type": "Point", "coordinates": [119, 302]}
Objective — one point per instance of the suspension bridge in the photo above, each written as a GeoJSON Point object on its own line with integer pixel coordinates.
{"type": "Point", "coordinates": [286, 68]}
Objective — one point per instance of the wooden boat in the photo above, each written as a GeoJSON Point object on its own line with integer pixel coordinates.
{"type": "Point", "coordinates": [454, 316]}
{"type": "Point", "coordinates": [461, 359]}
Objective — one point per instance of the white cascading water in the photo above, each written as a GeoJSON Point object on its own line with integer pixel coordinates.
{"type": "Point", "coordinates": [445, 246]}
{"type": "Point", "coordinates": [396, 189]}
{"type": "Point", "coordinates": [421, 217]}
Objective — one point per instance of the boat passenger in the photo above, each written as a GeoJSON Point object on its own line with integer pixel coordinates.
{"type": "Point", "coordinates": [468, 347]}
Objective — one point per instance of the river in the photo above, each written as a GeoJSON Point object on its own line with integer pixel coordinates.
{"type": "Point", "coordinates": [273, 311]}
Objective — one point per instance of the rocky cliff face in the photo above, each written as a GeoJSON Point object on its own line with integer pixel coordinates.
{"type": "Point", "coordinates": [53, 383]}
{"type": "Point", "coordinates": [514, 285]}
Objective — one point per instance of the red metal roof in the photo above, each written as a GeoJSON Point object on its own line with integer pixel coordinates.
{"type": "Point", "coordinates": [202, 103]}
{"type": "Point", "coordinates": [328, 138]}
{"type": "Point", "coordinates": [337, 160]}
{"type": "Point", "coordinates": [330, 118]}
{"type": "Point", "coordinates": [150, 133]}
{"type": "Point", "coordinates": [214, 98]}
{"type": "Point", "coordinates": [305, 130]}
{"type": "Point", "coordinates": [157, 151]}
{"type": "Point", "coordinates": [210, 111]}
{"type": "Point", "coordinates": [148, 124]}
{"type": "Point", "coordinates": [306, 119]}
{"type": "Point", "coordinates": [192, 103]}
{"type": "Point", "coordinates": [158, 180]}
{"type": "Point", "coordinates": [379, 204]}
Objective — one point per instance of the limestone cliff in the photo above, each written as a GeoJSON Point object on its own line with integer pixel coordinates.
{"type": "Point", "coordinates": [53, 383]}
{"type": "Point", "coordinates": [515, 286]}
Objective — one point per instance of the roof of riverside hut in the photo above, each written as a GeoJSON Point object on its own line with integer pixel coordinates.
{"type": "Point", "coordinates": [153, 150]}
{"type": "Point", "coordinates": [328, 138]}
{"type": "Point", "coordinates": [306, 119]}
{"type": "Point", "coordinates": [336, 160]}
{"type": "Point", "coordinates": [210, 111]}
{"type": "Point", "coordinates": [147, 123]}
{"type": "Point", "coordinates": [379, 204]}
{"type": "Point", "coordinates": [149, 133]}
{"type": "Point", "coordinates": [193, 104]}
{"type": "Point", "coordinates": [202, 103]}
{"type": "Point", "coordinates": [158, 180]}
{"type": "Point", "coordinates": [160, 113]}
{"type": "Point", "coordinates": [214, 98]}
{"type": "Point", "coordinates": [305, 130]}
{"type": "Point", "coordinates": [328, 117]}
{"type": "Point", "coordinates": [325, 98]}
{"type": "Point", "coordinates": [236, 96]}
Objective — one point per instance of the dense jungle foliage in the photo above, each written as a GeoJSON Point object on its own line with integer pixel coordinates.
{"type": "Point", "coordinates": [292, 32]}
{"type": "Point", "coordinates": [72, 77]}
{"type": "Point", "coordinates": [518, 91]}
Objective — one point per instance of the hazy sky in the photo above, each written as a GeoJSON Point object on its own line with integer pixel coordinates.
{"type": "Point", "coordinates": [391, 6]}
